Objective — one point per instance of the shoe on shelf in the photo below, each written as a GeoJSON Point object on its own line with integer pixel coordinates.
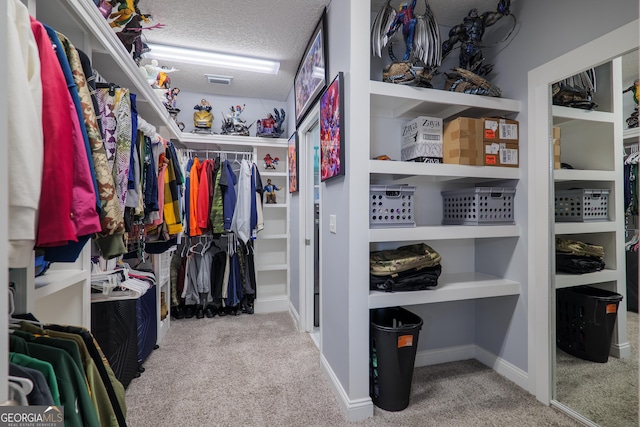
{"type": "Point", "coordinates": [199, 312]}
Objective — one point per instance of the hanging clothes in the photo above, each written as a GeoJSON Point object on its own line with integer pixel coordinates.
{"type": "Point", "coordinates": [193, 197]}
{"type": "Point", "coordinates": [228, 180]}
{"type": "Point", "coordinates": [25, 140]}
{"type": "Point", "coordinates": [173, 181]}
{"type": "Point", "coordinates": [217, 210]}
{"type": "Point", "coordinates": [57, 174]}
{"type": "Point", "coordinates": [205, 195]}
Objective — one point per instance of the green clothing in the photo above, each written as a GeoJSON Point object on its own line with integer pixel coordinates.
{"type": "Point", "coordinates": [74, 394]}
{"type": "Point", "coordinates": [44, 367]}
{"type": "Point", "coordinates": [69, 346]}
{"type": "Point", "coordinates": [96, 387]}
{"type": "Point", "coordinates": [18, 344]}
{"type": "Point", "coordinates": [217, 217]}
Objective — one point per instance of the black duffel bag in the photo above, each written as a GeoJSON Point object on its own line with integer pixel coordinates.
{"type": "Point", "coordinates": [415, 279]}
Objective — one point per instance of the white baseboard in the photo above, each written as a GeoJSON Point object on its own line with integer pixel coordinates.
{"type": "Point", "coordinates": [271, 305]}
{"type": "Point", "coordinates": [504, 368]}
{"type": "Point", "coordinates": [444, 355]}
{"type": "Point", "coordinates": [294, 315]}
{"type": "Point", "coordinates": [356, 410]}
{"type": "Point", "coordinates": [621, 350]}
{"type": "Point", "coordinates": [466, 352]}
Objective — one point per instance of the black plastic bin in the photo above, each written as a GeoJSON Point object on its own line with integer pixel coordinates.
{"type": "Point", "coordinates": [585, 317]}
{"type": "Point", "coordinates": [393, 341]}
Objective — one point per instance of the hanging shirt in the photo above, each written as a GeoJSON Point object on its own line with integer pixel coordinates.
{"type": "Point", "coordinates": [57, 173]}
{"type": "Point", "coordinates": [187, 197]}
{"type": "Point", "coordinates": [205, 194]}
{"type": "Point", "coordinates": [24, 137]}
{"type": "Point", "coordinates": [228, 181]}
{"type": "Point", "coordinates": [241, 222]}
{"type": "Point", "coordinates": [193, 202]}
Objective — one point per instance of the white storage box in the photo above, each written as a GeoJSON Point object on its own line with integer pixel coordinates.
{"type": "Point", "coordinates": [422, 140]}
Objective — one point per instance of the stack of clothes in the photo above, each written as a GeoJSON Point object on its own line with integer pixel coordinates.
{"type": "Point", "coordinates": [407, 268]}
{"type": "Point", "coordinates": [575, 257]}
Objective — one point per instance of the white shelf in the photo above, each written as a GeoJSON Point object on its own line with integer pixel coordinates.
{"type": "Point", "coordinates": [213, 142]}
{"type": "Point", "coordinates": [272, 236]}
{"type": "Point", "coordinates": [570, 280]}
{"type": "Point", "coordinates": [585, 227]}
{"type": "Point", "coordinates": [583, 175]}
{"type": "Point", "coordinates": [441, 170]}
{"type": "Point", "coordinates": [451, 287]}
{"type": "Point", "coordinates": [56, 280]}
{"type": "Point", "coordinates": [443, 232]}
{"type": "Point", "coordinates": [108, 55]}
{"type": "Point", "coordinates": [563, 114]}
{"type": "Point", "coordinates": [398, 101]}
{"type": "Point", "coordinates": [273, 267]}
{"type": "Point", "coordinates": [272, 174]}
{"type": "Point", "coordinates": [274, 205]}
{"type": "Point", "coordinates": [631, 135]}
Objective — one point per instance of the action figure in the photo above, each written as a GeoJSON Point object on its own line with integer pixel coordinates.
{"type": "Point", "coordinates": [632, 120]}
{"type": "Point", "coordinates": [422, 43]}
{"type": "Point", "coordinates": [270, 190]}
{"type": "Point", "coordinates": [271, 126]}
{"type": "Point", "coordinates": [468, 76]}
{"type": "Point", "coordinates": [202, 118]}
{"type": "Point", "coordinates": [576, 91]}
{"type": "Point", "coordinates": [171, 104]}
{"type": "Point", "coordinates": [233, 125]}
{"type": "Point", "coordinates": [270, 162]}
{"type": "Point", "coordinates": [469, 34]}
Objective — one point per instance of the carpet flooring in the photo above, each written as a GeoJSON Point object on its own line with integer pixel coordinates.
{"type": "Point", "coordinates": [257, 370]}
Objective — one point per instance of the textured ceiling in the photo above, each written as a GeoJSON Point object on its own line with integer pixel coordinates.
{"type": "Point", "coordinates": [275, 29]}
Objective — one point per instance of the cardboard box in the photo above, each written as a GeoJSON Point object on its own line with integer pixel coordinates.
{"type": "Point", "coordinates": [556, 148]}
{"type": "Point", "coordinates": [462, 142]}
{"type": "Point", "coordinates": [422, 140]}
{"type": "Point", "coordinates": [500, 130]}
{"type": "Point", "coordinates": [504, 154]}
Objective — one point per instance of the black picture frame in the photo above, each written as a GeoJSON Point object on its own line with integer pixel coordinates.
{"type": "Point", "coordinates": [312, 75]}
{"type": "Point", "coordinates": [292, 162]}
{"type": "Point", "coordinates": [332, 119]}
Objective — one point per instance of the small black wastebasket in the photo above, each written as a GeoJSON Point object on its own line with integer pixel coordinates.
{"type": "Point", "coordinates": [585, 317]}
{"type": "Point", "coordinates": [393, 341]}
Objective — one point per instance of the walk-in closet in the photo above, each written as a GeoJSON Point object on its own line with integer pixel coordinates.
{"type": "Point", "coordinates": [190, 244]}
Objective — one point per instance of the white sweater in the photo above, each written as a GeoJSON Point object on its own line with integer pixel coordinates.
{"type": "Point", "coordinates": [25, 137]}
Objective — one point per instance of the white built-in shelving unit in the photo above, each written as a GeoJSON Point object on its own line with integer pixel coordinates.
{"type": "Point", "coordinates": [272, 243]}
{"type": "Point", "coordinates": [462, 279]}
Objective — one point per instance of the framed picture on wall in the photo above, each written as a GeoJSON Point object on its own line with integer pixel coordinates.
{"type": "Point", "coordinates": [332, 130]}
{"type": "Point", "coordinates": [293, 162]}
{"type": "Point", "coordinates": [312, 75]}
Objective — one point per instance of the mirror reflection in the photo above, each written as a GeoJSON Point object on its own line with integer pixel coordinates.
{"type": "Point", "coordinates": [596, 281]}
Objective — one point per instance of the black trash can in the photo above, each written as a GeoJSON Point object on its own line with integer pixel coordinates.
{"type": "Point", "coordinates": [585, 317]}
{"type": "Point", "coordinates": [393, 341]}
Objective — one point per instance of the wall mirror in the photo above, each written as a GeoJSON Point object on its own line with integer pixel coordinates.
{"type": "Point", "coordinates": [584, 147]}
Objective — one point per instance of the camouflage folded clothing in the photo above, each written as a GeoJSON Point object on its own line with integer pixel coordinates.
{"type": "Point", "coordinates": [577, 248]}
{"type": "Point", "coordinates": [393, 261]}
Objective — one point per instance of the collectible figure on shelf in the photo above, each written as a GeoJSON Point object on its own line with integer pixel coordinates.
{"type": "Point", "coordinates": [128, 22]}
{"type": "Point", "coordinates": [270, 162]}
{"type": "Point", "coordinates": [468, 77]}
{"type": "Point", "coordinates": [156, 75]}
{"type": "Point", "coordinates": [272, 126]}
{"type": "Point", "coordinates": [171, 104]}
{"type": "Point", "coordinates": [203, 118]}
{"type": "Point", "coordinates": [576, 91]}
{"type": "Point", "coordinates": [421, 36]}
{"type": "Point", "coordinates": [270, 191]}
{"type": "Point", "coordinates": [632, 120]}
{"type": "Point", "coordinates": [232, 124]}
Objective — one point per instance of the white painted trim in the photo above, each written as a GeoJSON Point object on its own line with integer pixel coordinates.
{"type": "Point", "coordinates": [295, 316]}
{"type": "Point", "coordinates": [573, 414]}
{"type": "Point", "coordinates": [272, 305]}
{"type": "Point", "coordinates": [444, 355]}
{"type": "Point", "coordinates": [621, 351]}
{"type": "Point", "coordinates": [466, 352]}
{"type": "Point", "coordinates": [356, 410]}
{"type": "Point", "coordinates": [541, 334]}
{"type": "Point", "coordinates": [503, 367]}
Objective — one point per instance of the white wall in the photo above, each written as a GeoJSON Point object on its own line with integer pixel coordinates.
{"type": "Point", "coordinates": [295, 205]}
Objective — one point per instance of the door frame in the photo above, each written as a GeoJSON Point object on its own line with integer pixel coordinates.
{"type": "Point", "coordinates": [306, 218]}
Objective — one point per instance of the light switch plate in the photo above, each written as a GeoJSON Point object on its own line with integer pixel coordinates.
{"type": "Point", "coordinates": [332, 224]}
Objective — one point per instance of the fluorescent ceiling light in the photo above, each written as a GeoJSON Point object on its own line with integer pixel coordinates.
{"type": "Point", "coordinates": [215, 59]}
